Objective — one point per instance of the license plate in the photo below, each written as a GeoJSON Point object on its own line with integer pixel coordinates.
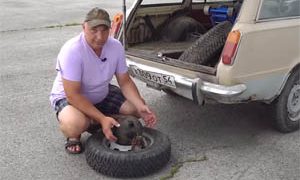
{"type": "Point", "coordinates": [158, 78]}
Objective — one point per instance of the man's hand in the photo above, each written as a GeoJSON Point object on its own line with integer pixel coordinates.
{"type": "Point", "coordinates": [107, 123]}
{"type": "Point", "coordinates": [148, 116]}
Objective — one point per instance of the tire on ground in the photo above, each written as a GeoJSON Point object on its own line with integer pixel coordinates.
{"type": "Point", "coordinates": [128, 164]}
{"type": "Point", "coordinates": [208, 45]}
{"type": "Point", "coordinates": [286, 106]}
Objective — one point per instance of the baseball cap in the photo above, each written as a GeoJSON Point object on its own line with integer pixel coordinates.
{"type": "Point", "coordinates": [96, 17]}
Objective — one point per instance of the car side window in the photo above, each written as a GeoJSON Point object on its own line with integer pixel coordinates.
{"type": "Point", "coordinates": [279, 9]}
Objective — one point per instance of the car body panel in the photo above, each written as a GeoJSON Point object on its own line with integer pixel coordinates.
{"type": "Point", "coordinates": [263, 61]}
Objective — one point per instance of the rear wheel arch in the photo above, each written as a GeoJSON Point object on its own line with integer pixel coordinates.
{"type": "Point", "coordinates": [293, 70]}
{"type": "Point", "coordinates": [286, 105]}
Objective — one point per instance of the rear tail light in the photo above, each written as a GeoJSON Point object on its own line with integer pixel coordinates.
{"type": "Point", "coordinates": [230, 47]}
{"type": "Point", "coordinates": [116, 24]}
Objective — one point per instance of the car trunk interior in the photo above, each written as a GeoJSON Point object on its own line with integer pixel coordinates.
{"type": "Point", "coordinates": [163, 32]}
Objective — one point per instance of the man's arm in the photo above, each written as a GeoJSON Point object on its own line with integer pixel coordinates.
{"type": "Point", "coordinates": [132, 94]}
{"type": "Point", "coordinates": [129, 89]}
{"type": "Point", "coordinates": [76, 99]}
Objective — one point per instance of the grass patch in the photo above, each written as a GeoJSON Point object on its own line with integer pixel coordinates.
{"type": "Point", "coordinates": [54, 26]}
{"type": "Point", "coordinates": [73, 24]}
{"type": "Point", "coordinates": [175, 168]}
{"type": "Point", "coordinates": [65, 25]}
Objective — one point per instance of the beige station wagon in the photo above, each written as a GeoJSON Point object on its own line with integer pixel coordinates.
{"type": "Point", "coordinates": [219, 51]}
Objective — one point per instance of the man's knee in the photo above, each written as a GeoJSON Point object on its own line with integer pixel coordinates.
{"type": "Point", "coordinates": [72, 120]}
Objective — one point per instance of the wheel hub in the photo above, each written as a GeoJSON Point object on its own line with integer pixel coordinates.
{"type": "Point", "coordinates": [129, 134]}
{"type": "Point", "coordinates": [293, 103]}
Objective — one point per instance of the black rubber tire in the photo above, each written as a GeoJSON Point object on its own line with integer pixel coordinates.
{"type": "Point", "coordinates": [180, 28]}
{"type": "Point", "coordinates": [130, 163]}
{"type": "Point", "coordinates": [208, 45]}
{"type": "Point", "coordinates": [282, 121]}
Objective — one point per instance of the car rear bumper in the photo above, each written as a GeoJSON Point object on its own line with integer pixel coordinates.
{"type": "Point", "coordinates": [192, 88]}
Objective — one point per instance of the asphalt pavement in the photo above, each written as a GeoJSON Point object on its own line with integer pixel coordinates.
{"type": "Point", "coordinates": [210, 142]}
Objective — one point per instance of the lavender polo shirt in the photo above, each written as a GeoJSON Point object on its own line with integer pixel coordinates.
{"type": "Point", "coordinates": [77, 61]}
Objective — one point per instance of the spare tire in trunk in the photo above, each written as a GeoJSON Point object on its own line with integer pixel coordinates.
{"type": "Point", "coordinates": [208, 45]}
{"type": "Point", "coordinates": [181, 29]}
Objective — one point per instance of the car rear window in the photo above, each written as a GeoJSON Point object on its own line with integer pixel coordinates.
{"type": "Point", "coordinates": [279, 9]}
{"type": "Point", "coordinates": [148, 2]}
{"type": "Point", "coordinates": [220, 0]}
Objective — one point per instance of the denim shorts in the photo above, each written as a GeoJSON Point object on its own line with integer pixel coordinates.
{"type": "Point", "coordinates": [111, 104]}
